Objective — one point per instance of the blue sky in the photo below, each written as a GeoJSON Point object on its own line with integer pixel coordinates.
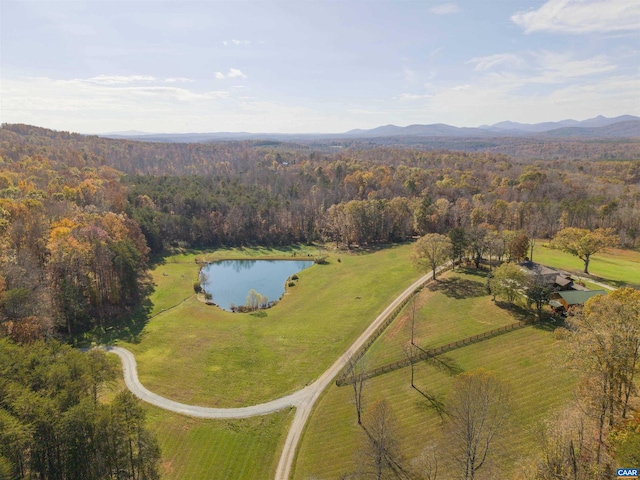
{"type": "Point", "coordinates": [314, 66]}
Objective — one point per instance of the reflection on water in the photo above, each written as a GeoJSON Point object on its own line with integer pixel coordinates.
{"type": "Point", "coordinates": [229, 281]}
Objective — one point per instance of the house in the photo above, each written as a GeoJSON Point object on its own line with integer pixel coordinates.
{"type": "Point", "coordinates": [555, 279]}
{"type": "Point", "coordinates": [571, 298]}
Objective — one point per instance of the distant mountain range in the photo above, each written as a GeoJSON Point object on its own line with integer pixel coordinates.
{"type": "Point", "coordinates": [599, 127]}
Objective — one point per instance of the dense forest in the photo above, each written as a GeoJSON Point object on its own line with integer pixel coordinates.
{"type": "Point", "coordinates": [55, 425]}
{"type": "Point", "coordinates": [80, 215]}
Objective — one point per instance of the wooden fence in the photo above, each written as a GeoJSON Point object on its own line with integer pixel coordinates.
{"type": "Point", "coordinates": [383, 326]}
{"type": "Point", "coordinates": [426, 354]}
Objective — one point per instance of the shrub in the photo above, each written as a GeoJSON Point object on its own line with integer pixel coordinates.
{"type": "Point", "coordinates": [560, 333]}
{"type": "Point", "coordinates": [320, 260]}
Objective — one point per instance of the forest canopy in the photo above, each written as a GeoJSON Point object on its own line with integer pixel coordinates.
{"type": "Point", "coordinates": [80, 215]}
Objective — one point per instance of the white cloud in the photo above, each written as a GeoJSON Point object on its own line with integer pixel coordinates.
{"type": "Point", "coordinates": [235, 73]}
{"type": "Point", "coordinates": [119, 79]}
{"type": "Point", "coordinates": [235, 42]}
{"type": "Point", "coordinates": [232, 73]}
{"type": "Point", "coordinates": [581, 16]}
{"type": "Point", "coordinates": [445, 9]}
{"type": "Point", "coordinates": [84, 106]}
{"type": "Point", "coordinates": [541, 67]}
{"type": "Point", "coordinates": [559, 67]}
{"type": "Point", "coordinates": [490, 61]}
{"type": "Point", "coordinates": [177, 80]}
{"type": "Point", "coordinates": [413, 97]}
{"type": "Point", "coordinates": [490, 102]}
{"type": "Point", "coordinates": [45, 96]}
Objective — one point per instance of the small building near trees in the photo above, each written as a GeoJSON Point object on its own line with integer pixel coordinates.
{"type": "Point", "coordinates": [572, 298]}
{"type": "Point", "coordinates": [554, 279]}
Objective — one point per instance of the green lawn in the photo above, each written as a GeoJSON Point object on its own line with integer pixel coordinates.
{"type": "Point", "coordinates": [616, 267]}
{"type": "Point", "coordinates": [524, 358]}
{"type": "Point", "coordinates": [199, 354]}
{"type": "Point", "coordinates": [442, 316]}
{"type": "Point", "coordinates": [199, 449]}
{"type": "Point", "coordinates": [527, 359]}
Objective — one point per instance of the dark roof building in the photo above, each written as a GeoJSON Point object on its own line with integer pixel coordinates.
{"type": "Point", "coordinates": [550, 276]}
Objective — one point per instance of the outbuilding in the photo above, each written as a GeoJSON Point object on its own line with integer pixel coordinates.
{"type": "Point", "coordinates": [571, 298]}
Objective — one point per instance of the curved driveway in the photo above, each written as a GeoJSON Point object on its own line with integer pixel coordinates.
{"type": "Point", "coordinates": [303, 400]}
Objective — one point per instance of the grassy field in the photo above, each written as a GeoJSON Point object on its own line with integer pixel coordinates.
{"type": "Point", "coordinates": [525, 358]}
{"type": "Point", "coordinates": [193, 449]}
{"type": "Point", "coordinates": [218, 449]}
{"type": "Point", "coordinates": [442, 316]}
{"type": "Point", "coordinates": [617, 267]}
{"type": "Point", "coordinates": [199, 354]}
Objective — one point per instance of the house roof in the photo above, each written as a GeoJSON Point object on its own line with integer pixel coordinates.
{"type": "Point", "coordinates": [576, 297]}
{"type": "Point", "coordinates": [562, 280]}
{"type": "Point", "coordinates": [538, 269]}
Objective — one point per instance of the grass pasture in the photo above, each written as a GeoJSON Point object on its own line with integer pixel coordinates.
{"type": "Point", "coordinates": [616, 267]}
{"type": "Point", "coordinates": [218, 449]}
{"type": "Point", "coordinates": [201, 355]}
{"type": "Point", "coordinates": [527, 359]}
{"type": "Point", "coordinates": [442, 315]}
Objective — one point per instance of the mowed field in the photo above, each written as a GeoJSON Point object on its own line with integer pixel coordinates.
{"type": "Point", "coordinates": [529, 360]}
{"type": "Point", "coordinates": [201, 355]}
{"type": "Point", "coordinates": [616, 267]}
{"type": "Point", "coordinates": [455, 307]}
{"type": "Point", "coordinates": [249, 448]}
{"type": "Point", "coordinates": [194, 449]}
{"type": "Point", "coordinates": [202, 449]}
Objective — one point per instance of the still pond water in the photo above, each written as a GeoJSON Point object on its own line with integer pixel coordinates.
{"type": "Point", "coordinates": [229, 281]}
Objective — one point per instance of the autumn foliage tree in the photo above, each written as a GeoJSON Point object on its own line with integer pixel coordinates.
{"type": "Point", "coordinates": [605, 349]}
{"type": "Point", "coordinates": [584, 243]}
{"type": "Point", "coordinates": [431, 251]}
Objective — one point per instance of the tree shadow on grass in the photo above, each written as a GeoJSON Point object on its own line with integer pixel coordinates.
{"type": "Point", "coordinates": [459, 288]}
{"type": "Point", "coordinates": [430, 402]}
{"type": "Point", "coordinates": [444, 364]}
{"type": "Point", "coordinates": [128, 327]}
{"type": "Point", "coordinates": [520, 313]}
{"type": "Point", "coordinates": [608, 281]}
{"type": "Point", "coordinates": [548, 324]}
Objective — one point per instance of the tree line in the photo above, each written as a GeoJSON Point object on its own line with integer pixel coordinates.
{"type": "Point", "coordinates": [79, 215]}
{"type": "Point", "coordinates": [55, 424]}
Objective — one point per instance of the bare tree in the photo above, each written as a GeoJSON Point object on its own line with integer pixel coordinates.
{"type": "Point", "coordinates": [380, 458]}
{"type": "Point", "coordinates": [411, 353]}
{"type": "Point", "coordinates": [562, 443]}
{"type": "Point", "coordinates": [413, 320]}
{"type": "Point", "coordinates": [425, 467]}
{"type": "Point", "coordinates": [357, 375]}
{"type": "Point", "coordinates": [478, 406]}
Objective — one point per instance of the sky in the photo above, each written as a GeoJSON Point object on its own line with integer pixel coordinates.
{"type": "Point", "coordinates": [305, 66]}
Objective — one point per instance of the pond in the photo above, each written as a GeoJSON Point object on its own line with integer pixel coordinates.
{"type": "Point", "coordinates": [230, 281]}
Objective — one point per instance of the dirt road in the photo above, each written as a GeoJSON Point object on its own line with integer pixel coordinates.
{"type": "Point", "coordinates": [304, 400]}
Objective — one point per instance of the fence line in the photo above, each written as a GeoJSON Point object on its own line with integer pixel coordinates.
{"type": "Point", "coordinates": [426, 354]}
{"type": "Point", "coordinates": [363, 349]}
